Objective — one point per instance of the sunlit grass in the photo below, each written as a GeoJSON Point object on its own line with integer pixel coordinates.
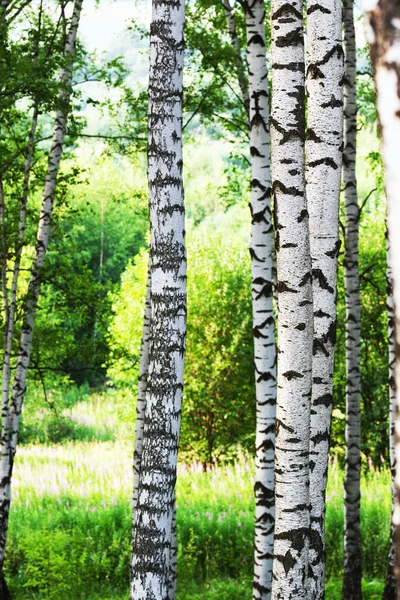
{"type": "Point", "coordinates": [71, 518]}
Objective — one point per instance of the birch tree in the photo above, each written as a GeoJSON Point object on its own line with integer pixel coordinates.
{"type": "Point", "coordinates": [263, 318]}
{"type": "Point", "coordinates": [390, 590]}
{"type": "Point", "coordinates": [295, 316]}
{"type": "Point", "coordinates": [11, 407]}
{"type": "Point", "coordinates": [323, 175]}
{"type": "Point", "coordinates": [383, 17]}
{"type": "Point", "coordinates": [240, 66]}
{"type": "Point", "coordinates": [352, 536]}
{"type": "Point", "coordinates": [156, 497]}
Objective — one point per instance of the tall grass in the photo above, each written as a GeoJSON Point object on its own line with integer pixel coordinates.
{"type": "Point", "coordinates": [70, 525]}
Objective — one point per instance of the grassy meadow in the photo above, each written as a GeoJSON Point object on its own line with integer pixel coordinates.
{"type": "Point", "coordinates": [70, 525]}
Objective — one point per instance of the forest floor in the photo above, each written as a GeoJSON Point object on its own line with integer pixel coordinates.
{"type": "Point", "coordinates": [70, 525]}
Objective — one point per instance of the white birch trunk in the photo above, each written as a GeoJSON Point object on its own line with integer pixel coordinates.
{"type": "Point", "coordinates": [263, 318]}
{"type": "Point", "coordinates": [173, 562]}
{"type": "Point", "coordinates": [141, 399]}
{"type": "Point", "coordinates": [152, 535]}
{"type": "Point", "coordinates": [384, 38]}
{"type": "Point", "coordinates": [12, 305]}
{"type": "Point", "coordinates": [352, 539]}
{"type": "Point", "coordinates": [323, 174]}
{"type": "Point", "coordinates": [390, 590]}
{"type": "Point", "coordinates": [240, 68]}
{"type": "Point", "coordinates": [10, 425]}
{"type": "Point", "coordinates": [295, 316]}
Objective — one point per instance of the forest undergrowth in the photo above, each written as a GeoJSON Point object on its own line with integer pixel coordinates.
{"type": "Point", "coordinates": [70, 527]}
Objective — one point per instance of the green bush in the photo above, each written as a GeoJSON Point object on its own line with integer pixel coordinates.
{"type": "Point", "coordinates": [70, 526]}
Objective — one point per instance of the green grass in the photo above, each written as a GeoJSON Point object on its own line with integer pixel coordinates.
{"type": "Point", "coordinates": [70, 526]}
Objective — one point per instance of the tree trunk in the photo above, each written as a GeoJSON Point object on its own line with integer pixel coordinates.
{"type": "Point", "coordinates": [240, 67]}
{"type": "Point", "coordinates": [295, 316]}
{"type": "Point", "coordinates": [390, 590]}
{"type": "Point", "coordinates": [173, 563]}
{"type": "Point", "coordinates": [152, 535]}
{"type": "Point", "coordinates": [323, 176]}
{"type": "Point", "coordinates": [384, 32]}
{"type": "Point", "coordinates": [11, 418]}
{"type": "Point", "coordinates": [141, 400]}
{"type": "Point", "coordinates": [263, 318]}
{"type": "Point", "coordinates": [352, 536]}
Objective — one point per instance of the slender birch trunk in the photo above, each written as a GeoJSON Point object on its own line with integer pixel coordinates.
{"type": "Point", "coordinates": [154, 512]}
{"type": "Point", "coordinates": [141, 399]}
{"type": "Point", "coordinates": [390, 590]}
{"type": "Point", "coordinates": [295, 317]}
{"type": "Point", "coordinates": [12, 304]}
{"type": "Point", "coordinates": [11, 418]}
{"type": "Point", "coordinates": [240, 67]}
{"type": "Point", "coordinates": [384, 38]}
{"type": "Point", "coordinates": [173, 562]}
{"type": "Point", "coordinates": [352, 536]}
{"type": "Point", "coordinates": [323, 174]}
{"type": "Point", "coordinates": [263, 318]}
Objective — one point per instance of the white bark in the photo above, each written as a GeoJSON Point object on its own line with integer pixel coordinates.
{"type": "Point", "coordinates": [295, 316]}
{"type": "Point", "coordinates": [141, 399]}
{"type": "Point", "coordinates": [263, 318]}
{"type": "Point", "coordinates": [10, 425]}
{"type": "Point", "coordinates": [152, 535]}
{"type": "Point", "coordinates": [384, 38]}
{"type": "Point", "coordinates": [323, 174]}
{"type": "Point", "coordinates": [390, 591]}
{"type": "Point", "coordinates": [352, 540]}
{"type": "Point", "coordinates": [173, 563]}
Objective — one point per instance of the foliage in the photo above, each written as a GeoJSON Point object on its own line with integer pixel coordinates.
{"type": "Point", "coordinates": [218, 406]}
{"type": "Point", "coordinates": [71, 523]}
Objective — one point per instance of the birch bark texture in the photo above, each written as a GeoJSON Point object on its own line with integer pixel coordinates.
{"type": "Point", "coordinates": [141, 399]}
{"type": "Point", "coordinates": [325, 72]}
{"type": "Point", "coordinates": [156, 491]}
{"type": "Point", "coordinates": [383, 18]}
{"type": "Point", "coordinates": [295, 316]}
{"type": "Point", "coordinates": [390, 589]}
{"type": "Point", "coordinates": [11, 414]}
{"type": "Point", "coordinates": [352, 535]}
{"type": "Point", "coordinates": [263, 319]}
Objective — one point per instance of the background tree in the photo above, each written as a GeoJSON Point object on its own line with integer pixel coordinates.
{"type": "Point", "coordinates": [352, 540]}
{"type": "Point", "coordinates": [383, 18]}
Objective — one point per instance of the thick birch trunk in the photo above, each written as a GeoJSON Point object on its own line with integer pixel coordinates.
{"type": "Point", "coordinates": [295, 316]}
{"type": "Point", "coordinates": [10, 425]}
{"type": "Point", "coordinates": [240, 67]}
{"type": "Point", "coordinates": [352, 539]}
{"type": "Point", "coordinates": [323, 175]}
{"type": "Point", "coordinates": [263, 318]}
{"type": "Point", "coordinates": [152, 536]}
{"type": "Point", "coordinates": [390, 590]}
{"type": "Point", "coordinates": [384, 40]}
